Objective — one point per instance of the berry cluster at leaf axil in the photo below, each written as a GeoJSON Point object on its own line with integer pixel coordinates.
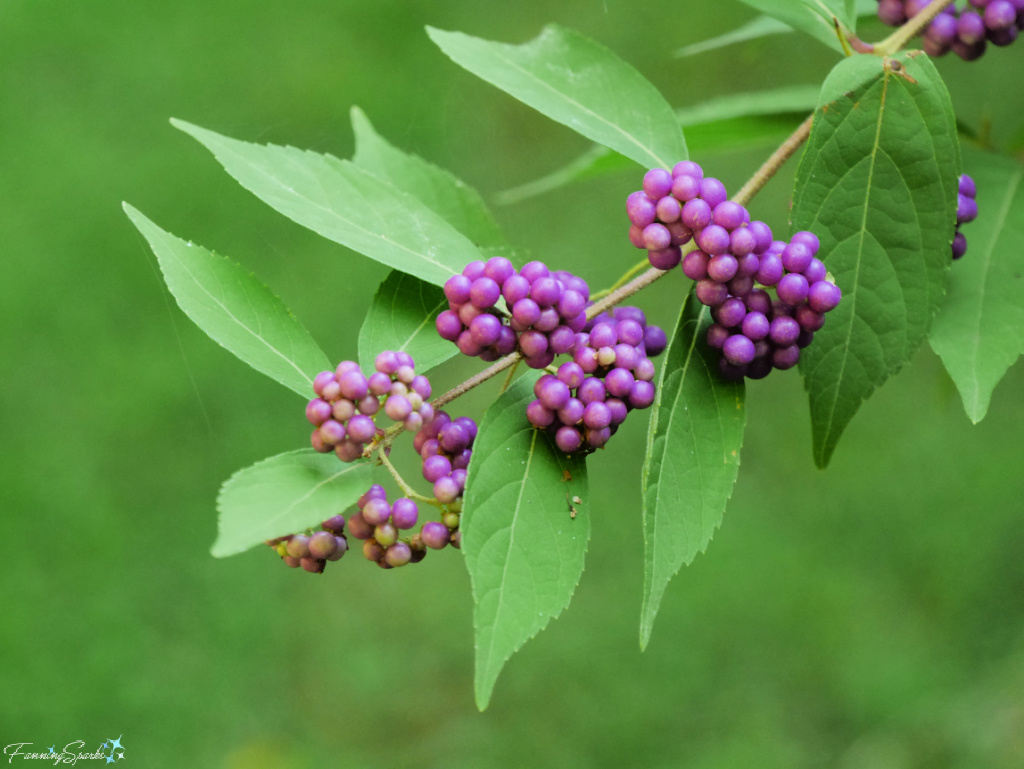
{"type": "Point", "coordinates": [543, 310]}
{"type": "Point", "coordinates": [967, 31]}
{"type": "Point", "coordinates": [734, 265]}
{"type": "Point", "coordinates": [347, 403]}
{"type": "Point", "coordinates": [611, 373]}
{"type": "Point", "coordinates": [312, 550]}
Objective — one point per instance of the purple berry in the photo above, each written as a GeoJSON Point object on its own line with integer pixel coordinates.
{"type": "Point", "coordinates": [755, 326]}
{"type": "Point", "coordinates": [568, 439]}
{"type": "Point", "coordinates": [398, 554]}
{"type": "Point", "coordinates": [711, 293]}
{"type": "Point", "coordinates": [696, 214]}
{"type": "Point", "coordinates": [376, 512]}
{"type": "Point", "coordinates": [695, 265]}
{"type": "Point", "coordinates": [322, 545]}
{"type": "Point", "coordinates": [714, 239]}
{"type": "Point", "coordinates": [713, 191]}
{"type": "Point", "coordinates": [796, 257]}
{"type": "Point", "coordinates": [318, 411]}
{"type": "Point", "coordinates": [655, 341]}
{"type": "Point", "coordinates": [448, 325]}
{"type": "Point", "coordinates": [738, 350]}
{"type": "Point", "coordinates": [435, 535]}
{"type": "Point", "coordinates": [656, 236]}
{"type": "Point", "coordinates": [792, 289]}
{"type": "Point", "coordinates": [359, 527]}
{"type": "Point", "coordinates": [619, 382]}
{"type": "Point", "coordinates": [784, 331]}
{"type": "Point", "coordinates": [642, 395]}
{"type": "Point", "coordinates": [688, 168]}
{"type": "Point", "coordinates": [823, 296]}
{"type": "Point", "coordinates": [404, 513]}
{"type": "Point", "coordinates": [657, 183]}
{"type": "Point", "coordinates": [436, 467]}
{"type": "Point", "coordinates": [446, 490]}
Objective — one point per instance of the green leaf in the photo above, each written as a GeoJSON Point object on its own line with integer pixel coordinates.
{"type": "Point", "coordinates": [344, 203]}
{"type": "Point", "coordinates": [235, 309]}
{"type": "Point", "coordinates": [693, 454]}
{"type": "Point", "coordinates": [401, 318]}
{"type": "Point", "coordinates": [758, 27]}
{"type": "Point", "coordinates": [730, 122]}
{"type": "Point", "coordinates": [811, 16]}
{"type": "Point", "coordinates": [979, 332]}
{"type": "Point", "coordinates": [284, 495]}
{"type": "Point", "coordinates": [877, 184]}
{"type": "Point", "coordinates": [577, 82]}
{"type": "Point", "coordinates": [523, 547]}
{"type": "Point", "coordinates": [442, 192]}
{"type": "Point", "coordinates": [765, 26]}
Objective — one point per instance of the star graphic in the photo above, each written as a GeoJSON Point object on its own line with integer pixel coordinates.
{"type": "Point", "coordinates": [52, 748]}
{"type": "Point", "coordinates": [104, 746]}
{"type": "Point", "coordinates": [120, 755]}
{"type": "Point", "coordinates": [116, 743]}
{"type": "Point", "coordinates": [110, 759]}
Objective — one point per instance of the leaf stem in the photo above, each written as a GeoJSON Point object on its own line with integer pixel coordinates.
{"type": "Point", "coordinates": [476, 380]}
{"type": "Point", "coordinates": [511, 374]}
{"type": "Point", "coordinates": [405, 487]}
{"type": "Point", "coordinates": [775, 162]}
{"type": "Point", "coordinates": [895, 42]}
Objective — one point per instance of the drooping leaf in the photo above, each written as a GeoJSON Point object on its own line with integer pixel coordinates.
{"type": "Point", "coordinates": [693, 454]}
{"type": "Point", "coordinates": [284, 495]}
{"type": "Point", "coordinates": [732, 122]}
{"type": "Point", "coordinates": [441, 191]}
{"type": "Point", "coordinates": [346, 204]}
{"type": "Point", "coordinates": [235, 309]}
{"type": "Point", "coordinates": [979, 332]}
{"type": "Point", "coordinates": [877, 184]}
{"type": "Point", "coordinates": [764, 26]}
{"type": "Point", "coordinates": [811, 16]}
{"type": "Point", "coordinates": [401, 318]}
{"type": "Point", "coordinates": [579, 83]}
{"type": "Point", "coordinates": [524, 547]}
{"type": "Point", "coordinates": [758, 27]}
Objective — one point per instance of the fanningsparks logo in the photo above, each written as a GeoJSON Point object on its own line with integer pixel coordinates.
{"type": "Point", "coordinates": [110, 751]}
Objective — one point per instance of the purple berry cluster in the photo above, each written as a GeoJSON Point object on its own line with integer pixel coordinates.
{"type": "Point", "coordinates": [543, 311]}
{"type": "Point", "coordinates": [966, 211]}
{"type": "Point", "coordinates": [446, 445]}
{"type": "Point", "coordinates": [754, 332]}
{"type": "Point", "coordinates": [674, 208]}
{"type": "Point", "coordinates": [966, 32]}
{"type": "Point", "coordinates": [379, 523]}
{"type": "Point", "coordinates": [313, 550]}
{"type": "Point", "coordinates": [347, 402]}
{"type": "Point", "coordinates": [610, 375]}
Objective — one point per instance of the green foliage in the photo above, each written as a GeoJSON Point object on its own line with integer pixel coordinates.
{"type": "Point", "coordinates": [401, 318]}
{"type": "Point", "coordinates": [283, 495]}
{"type": "Point", "coordinates": [756, 28]}
{"type": "Point", "coordinates": [877, 184]}
{"type": "Point", "coordinates": [693, 455]}
{"type": "Point", "coordinates": [235, 309]}
{"type": "Point", "coordinates": [815, 17]}
{"type": "Point", "coordinates": [731, 122]}
{"type": "Point", "coordinates": [764, 26]}
{"type": "Point", "coordinates": [344, 203]}
{"type": "Point", "coordinates": [579, 83]}
{"type": "Point", "coordinates": [979, 332]}
{"type": "Point", "coordinates": [439, 190]}
{"type": "Point", "coordinates": [524, 547]}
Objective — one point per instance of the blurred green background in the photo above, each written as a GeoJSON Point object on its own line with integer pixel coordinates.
{"type": "Point", "coordinates": [871, 615]}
